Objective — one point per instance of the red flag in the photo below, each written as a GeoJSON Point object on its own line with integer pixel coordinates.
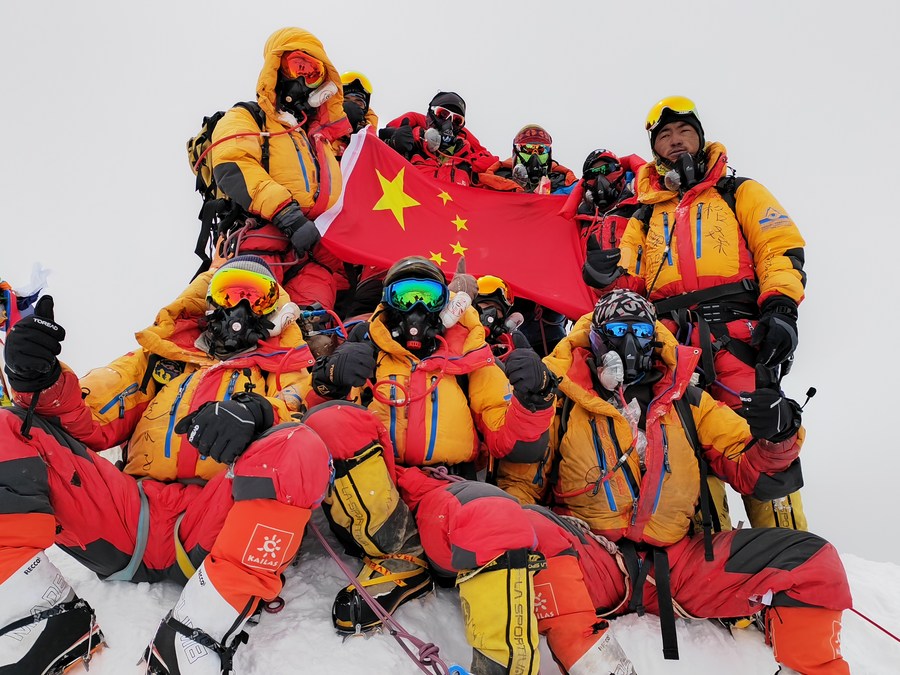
{"type": "Point", "coordinates": [389, 209]}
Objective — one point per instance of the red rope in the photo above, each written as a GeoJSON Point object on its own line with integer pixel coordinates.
{"type": "Point", "coordinates": [879, 627]}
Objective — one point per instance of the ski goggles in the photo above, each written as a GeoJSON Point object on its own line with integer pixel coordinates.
{"type": "Point", "coordinates": [618, 329]}
{"type": "Point", "coordinates": [298, 64]}
{"type": "Point", "coordinates": [229, 287]}
{"type": "Point", "coordinates": [405, 294]}
{"type": "Point", "coordinates": [680, 105]}
{"type": "Point", "coordinates": [602, 170]}
{"type": "Point", "coordinates": [441, 113]}
{"type": "Point", "coordinates": [493, 286]}
{"type": "Point", "coordinates": [527, 150]}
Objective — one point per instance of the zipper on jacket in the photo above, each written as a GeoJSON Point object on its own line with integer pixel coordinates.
{"type": "Point", "coordinates": [434, 418]}
{"type": "Point", "coordinates": [630, 480]}
{"type": "Point", "coordinates": [601, 463]}
{"type": "Point", "coordinates": [637, 266]}
{"type": "Point", "coordinates": [302, 163]}
{"type": "Point", "coordinates": [699, 227]}
{"type": "Point", "coordinates": [175, 404]}
{"type": "Point", "coordinates": [666, 467]}
{"type": "Point", "coordinates": [393, 378]}
{"type": "Point", "coordinates": [120, 399]}
{"type": "Point", "coordinates": [229, 390]}
{"type": "Point", "coordinates": [667, 237]}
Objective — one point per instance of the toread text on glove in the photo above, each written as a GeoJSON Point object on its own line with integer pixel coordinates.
{"type": "Point", "coordinates": [350, 365]}
{"type": "Point", "coordinates": [776, 332]}
{"type": "Point", "coordinates": [302, 232]}
{"type": "Point", "coordinates": [770, 415]}
{"type": "Point", "coordinates": [223, 429]}
{"type": "Point", "coordinates": [532, 382]}
{"type": "Point", "coordinates": [601, 265]}
{"type": "Point", "coordinates": [31, 349]}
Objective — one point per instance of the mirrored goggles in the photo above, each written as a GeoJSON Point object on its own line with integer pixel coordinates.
{"type": "Point", "coordinates": [526, 151]}
{"type": "Point", "coordinates": [442, 114]}
{"type": "Point", "coordinates": [230, 286]}
{"type": "Point", "coordinates": [403, 295]}
{"type": "Point", "coordinates": [618, 329]}
{"type": "Point", "coordinates": [602, 170]}
{"type": "Point", "coordinates": [678, 104]}
{"type": "Point", "coordinates": [300, 64]}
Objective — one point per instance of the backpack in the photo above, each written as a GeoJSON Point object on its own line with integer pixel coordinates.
{"type": "Point", "coordinates": [218, 213]}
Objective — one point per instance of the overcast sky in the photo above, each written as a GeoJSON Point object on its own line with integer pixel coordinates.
{"type": "Point", "coordinates": [100, 97]}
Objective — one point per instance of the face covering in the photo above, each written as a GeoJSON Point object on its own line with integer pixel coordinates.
{"type": "Point", "coordinates": [230, 331]}
{"type": "Point", "coordinates": [416, 329]}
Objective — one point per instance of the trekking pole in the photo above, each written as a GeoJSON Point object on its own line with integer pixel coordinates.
{"type": "Point", "coordinates": [878, 626]}
{"type": "Point", "coordinates": [427, 660]}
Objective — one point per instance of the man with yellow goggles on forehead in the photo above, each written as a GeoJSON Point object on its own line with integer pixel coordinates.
{"type": "Point", "coordinates": [723, 262]}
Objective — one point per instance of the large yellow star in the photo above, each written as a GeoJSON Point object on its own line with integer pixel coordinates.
{"type": "Point", "coordinates": [459, 249]}
{"type": "Point", "coordinates": [437, 257]}
{"type": "Point", "coordinates": [445, 197]}
{"type": "Point", "coordinates": [460, 223]}
{"type": "Point", "coordinates": [393, 197]}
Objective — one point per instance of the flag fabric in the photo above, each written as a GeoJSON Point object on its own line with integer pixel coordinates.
{"type": "Point", "coordinates": [389, 209]}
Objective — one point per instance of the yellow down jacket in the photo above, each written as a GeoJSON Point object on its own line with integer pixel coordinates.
{"type": "Point", "coordinates": [698, 242]}
{"type": "Point", "coordinates": [302, 165]}
{"type": "Point", "coordinates": [653, 502]}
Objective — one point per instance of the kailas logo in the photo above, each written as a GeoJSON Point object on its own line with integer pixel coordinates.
{"type": "Point", "coordinates": [773, 218]}
{"type": "Point", "coordinates": [267, 548]}
{"type": "Point", "coordinates": [545, 601]}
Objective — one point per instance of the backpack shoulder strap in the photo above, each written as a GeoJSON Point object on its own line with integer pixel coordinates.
{"type": "Point", "coordinates": [259, 117]}
{"type": "Point", "coordinates": [727, 187]}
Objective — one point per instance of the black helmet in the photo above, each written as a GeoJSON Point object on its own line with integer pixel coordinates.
{"type": "Point", "coordinates": [414, 267]}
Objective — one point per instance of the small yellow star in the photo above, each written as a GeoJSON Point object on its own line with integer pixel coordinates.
{"type": "Point", "coordinates": [460, 223]}
{"type": "Point", "coordinates": [437, 257]}
{"type": "Point", "coordinates": [459, 249]}
{"type": "Point", "coordinates": [446, 197]}
{"type": "Point", "coordinates": [393, 197]}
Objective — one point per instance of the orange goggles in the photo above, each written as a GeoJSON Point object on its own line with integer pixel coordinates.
{"type": "Point", "coordinates": [298, 64]}
{"type": "Point", "coordinates": [230, 286]}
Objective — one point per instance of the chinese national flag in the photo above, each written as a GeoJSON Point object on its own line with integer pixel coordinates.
{"type": "Point", "coordinates": [390, 209]}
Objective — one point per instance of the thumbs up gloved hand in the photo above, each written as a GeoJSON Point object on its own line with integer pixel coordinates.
{"type": "Point", "coordinates": [532, 382]}
{"type": "Point", "coordinates": [297, 227]}
{"type": "Point", "coordinates": [350, 365]}
{"type": "Point", "coordinates": [769, 414]}
{"type": "Point", "coordinates": [31, 350]}
{"type": "Point", "coordinates": [601, 265]}
{"type": "Point", "coordinates": [223, 429]}
{"type": "Point", "coordinates": [402, 140]}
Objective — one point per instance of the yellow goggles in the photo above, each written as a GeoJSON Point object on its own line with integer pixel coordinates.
{"type": "Point", "coordinates": [231, 286]}
{"type": "Point", "coordinates": [677, 104]}
{"type": "Point", "coordinates": [489, 284]}
{"type": "Point", "coordinates": [352, 76]}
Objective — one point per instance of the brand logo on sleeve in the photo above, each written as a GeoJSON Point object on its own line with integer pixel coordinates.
{"type": "Point", "coordinates": [267, 548]}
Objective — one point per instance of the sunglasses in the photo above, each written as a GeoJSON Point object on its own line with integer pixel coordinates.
{"type": "Point", "coordinates": [678, 104]}
{"type": "Point", "coordinates": [602, 170]}
{"type": "Point", "coordinates": [405, 294]}
{"type": "Point", "coordinates": [229, 287]}
{"type": "Point", "coordinates": [442, 114]}
{"type": "Point", "coordinates": [299, 64]}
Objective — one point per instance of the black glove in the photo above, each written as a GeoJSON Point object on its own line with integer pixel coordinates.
{"type": "Point", "coordinates": [776, 332]}
{"type": "Point", "coordinates": [299, 229]}
{"type": "Point", "coordinates": [223, 429]}
{"type": "Point", "coordinates": [31, 350]}
{"type": "Point", "coordinates": [770, 415]}
{"type": "Point", "coordinates": [402, 140]}
{"type": "Point", "coordinates": [601, 265]}
{"type": "Point", "coordinates": [532, 382]}
{"type": "Point", "coordinates": [350, 365]}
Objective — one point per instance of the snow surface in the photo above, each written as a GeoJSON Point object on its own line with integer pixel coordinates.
{"type": "Point", "coordinates": [300, 638]}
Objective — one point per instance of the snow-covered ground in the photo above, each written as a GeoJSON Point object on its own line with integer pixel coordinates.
{"type": "Point", "coordinates": [300, 639]}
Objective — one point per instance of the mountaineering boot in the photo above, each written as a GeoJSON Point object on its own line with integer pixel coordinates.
{"type": "Point", "coordinates": [391, 580]}
{"type": "Point", "coordinates": [605, 656]}
{"type": "Point", "coordinates": [44, 626]}
{"type": "Point", "coordinates": [201, 633]}
{"type": "Point", "coordinates": [807, 639]}
{"type": "Point", "coordinates": [365, 512]}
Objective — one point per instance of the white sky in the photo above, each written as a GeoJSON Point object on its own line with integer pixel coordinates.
{"type": "Point", "coordinates": [100, 97]}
